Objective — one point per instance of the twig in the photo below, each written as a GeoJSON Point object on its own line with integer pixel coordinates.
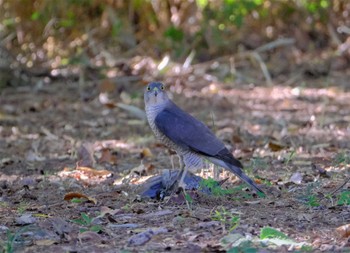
{"type": "Point", "coordinates": [346, 181]}
{"type": "Point", "coordinates": [333, 34]}
{"type": "Point", "coordinates": [254, 54]}
{"type": "Point", "coordinates": [263, 67]}
{"type": "Point", "coordinates": [274, 44]}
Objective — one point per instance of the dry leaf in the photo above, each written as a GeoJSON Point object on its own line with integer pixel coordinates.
{"type": "Point", "coordinates": [236, 138]}
{"type": "Point", "coordinates": [106, 210]}
{"type": "Point", "coordinates": [343, 231]}
{"type": "Point", "coordinates": [103, 98]}
{"type": "Point", "coordinates": [144, 170]}
{"type": "Point", "coordinates": [108, 156]}
{"type": "Point", "coordinates": [146, 152]}
{"type": "Point", "coordinates": [258, 181]}
{"type": "Point", "coordinates": [275, 146]}
{"type": "Point", "coordinates": [25, 219]}
{"type": "Point", "coordinates": [76, 195]}
{"type": "Point", "coordinates": [86, 174]}
{"type": "Point", "coordinates": [296, 178]}
{"type": "Point", "coordinates": [45, 242]}
{"type": "Point", "coordinates": [95, 173]}
{"type": "Point", "coordinates": [107, 86]}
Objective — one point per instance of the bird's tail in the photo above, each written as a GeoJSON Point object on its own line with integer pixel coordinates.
{"type": "Point", "coordinates": [238, 172]}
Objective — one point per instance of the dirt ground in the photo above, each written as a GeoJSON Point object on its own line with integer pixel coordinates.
{"type": "Point", "coordinates": [58, 138]}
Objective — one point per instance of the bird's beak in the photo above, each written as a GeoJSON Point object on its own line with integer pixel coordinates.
{"type": "Point", "coordinates": [155, 91]}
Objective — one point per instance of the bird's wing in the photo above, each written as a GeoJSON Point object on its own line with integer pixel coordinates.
{"type": "Point", "coordinates": [188, 132]}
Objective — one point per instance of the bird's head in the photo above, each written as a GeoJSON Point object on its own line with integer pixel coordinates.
{"type": "Point", "coordinates": [155, 94]}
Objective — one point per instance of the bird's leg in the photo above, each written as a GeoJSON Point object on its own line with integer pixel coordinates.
{"type": "Point", "coordinates": [182, 174]}
{"type": "Point", "coordinates": [172, 161]}
{"type": "Point", "coordinates": [181, 161]}
{"type": "Point", "coordinates": [180, 177]}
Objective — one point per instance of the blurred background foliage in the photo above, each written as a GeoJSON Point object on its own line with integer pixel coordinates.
{"type": "Point", "coordinates": [60, 32]}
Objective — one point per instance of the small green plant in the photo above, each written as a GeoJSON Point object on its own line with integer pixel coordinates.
{"type": "Point", "coordinates": [290, 157]}
{"type": "Point", "coordinates": [341, 158]}
{"type": "Point", "coordinates": [23, 206]}
{"type": "Point", "coordinates": [189, 200]}
{"type": "Point", "coordinates": [268, 232]}
{"type": "Point", "coordinates": [226, 218]}
{"type": "Point", "coordinates": [7, 247]}
{"type": "Point", "coordinates": [344, 198]}
{"type": "Point", "coordinates": [87, 224]}
{"type": "Point", "coordinates": [312, 201]}
{"type": "Point", "coordinates": [309, 198]}
{"type": "Point", "coordinates": [215, 188]}
{"type": "Point", "coordinates": [272, 235]}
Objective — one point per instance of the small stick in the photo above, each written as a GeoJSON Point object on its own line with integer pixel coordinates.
{"type": "Point", "coordinates": [346, 181]}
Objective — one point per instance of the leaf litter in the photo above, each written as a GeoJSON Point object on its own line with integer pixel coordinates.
{"type": "Point", "coordinates": [295, 142]}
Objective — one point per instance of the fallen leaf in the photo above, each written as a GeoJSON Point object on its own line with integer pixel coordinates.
{"type": "Point", "coordinates": [343, 231]}
{"type": "Point", "coordinates": [143, 237]}
{"type": "Point", "coordinates": [45, 242]}
{"type": "Point", "coordinates": [146, 152]}
{"type": "Point", "coordinates": [71, 195]}
{"type": "Point", "coordinates": [157, 214]}
{"type": "Point", "coordinates": [106, 86]}
{"type": "Point", "coordinates": [60, 226]}
{"type": "Point", "coordinates": [236, 138]}
{"type": "Point", "coordinates": [87, 175]}
{"type": "Point", "coordinates": [103, 98]}
{"type": "Point", "coordinates": [95, 173]}
{"type": "Point", "coordinates": [90, 236]}
{"type": "Point", "coordinates": [108, 156]}
{"type": "Point", "coordinates": [106, 210]}
{"type": "Point", "coordinates": [142, 170]}
{"type": "Point", "coordinates": [26, 219]}
{"type": "Point", "coordinates": [275, 146]}
{"type": "Point", "coordinates": [296, 178]}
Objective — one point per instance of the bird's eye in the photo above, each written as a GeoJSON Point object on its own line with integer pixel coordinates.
{"type": "Point", "coordinates": [148, 88]}
{"type": "Point", "coordinates": [162, 87]}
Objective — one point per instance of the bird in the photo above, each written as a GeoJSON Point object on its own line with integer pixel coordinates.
{"type": "Point", "coordinates": [192, 140]}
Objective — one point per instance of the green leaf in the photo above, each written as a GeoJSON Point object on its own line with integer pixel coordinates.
{"type": "Point", "coordinates": [86, 218]}
{"type": "Point", "coordinates": [174, 33]}
{"type": "Point", "coordinates": [35, 16]}
{"type": "Point", "coordinates": [188, 198]}
{"type": "Point", "coordinates": [344, 198]}
{"type": "Point", "coordinates": [78, 221]}
{"type": "Point", "coordinates": [280, 242]}
{"type": "Point", "coordinates": [313, 201]}
{"type": "Point", "coordinates": [82, 230]}
{"type": "Point", "coordinates": [268, 232]}
{"type": "Point", "coordinates": [96, 228]}
{"type": "Point", "coordinates": [77, 200]}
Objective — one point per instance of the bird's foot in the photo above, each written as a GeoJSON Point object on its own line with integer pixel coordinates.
{"type": "Point", "coordinates": [174, 190]}
{"type": "Point", "coordinates": [181, 186]}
